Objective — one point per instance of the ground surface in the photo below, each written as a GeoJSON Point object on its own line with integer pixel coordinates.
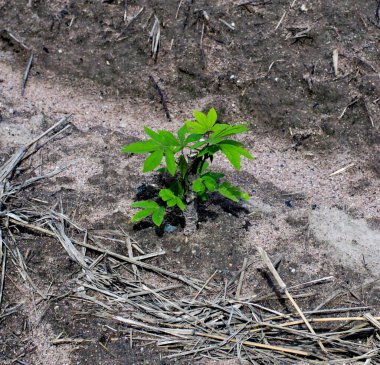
{"type": "Point", "coordinates": [274, 69]}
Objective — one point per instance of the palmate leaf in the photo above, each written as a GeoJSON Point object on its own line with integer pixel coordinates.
{"type": "Point", "coordinates": [153, 161]}
{"type": "Point", "coordinates": [141, 147]}
{"type": "Point", "coordinates": [203, 123]}
{"type": "Point", "coordinates": [202, 119]}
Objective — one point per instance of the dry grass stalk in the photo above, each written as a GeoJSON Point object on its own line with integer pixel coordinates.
{"type": "Point", "coordinates": [212, 322]}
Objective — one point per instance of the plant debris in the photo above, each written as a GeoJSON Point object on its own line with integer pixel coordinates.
{"type": "Point", "coordinates": [183, 315]}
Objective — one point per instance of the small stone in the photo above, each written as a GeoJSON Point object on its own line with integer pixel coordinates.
{"type": "Point", "coordinates": [177, 249]}
{"type": "Point", "coordinates": [11, 111]}
{"type": "Point", "coordinates": [303, 8]}
{"type": "Point", "coordinates": [168, 228]}
{"type": "Point", "coordinates": [288, 203]}
{"type": "Point", "coordinates": [292, 270]}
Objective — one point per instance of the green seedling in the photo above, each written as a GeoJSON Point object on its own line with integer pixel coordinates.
{"type": "Point", "coordinates": [187, 156]}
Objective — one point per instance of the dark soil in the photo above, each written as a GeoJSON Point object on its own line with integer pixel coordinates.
{"type": "Point", "coordinates": [278, 78]}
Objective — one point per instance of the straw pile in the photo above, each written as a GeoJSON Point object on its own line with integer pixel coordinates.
{"type": "Point", "coordinates": [186, 317]}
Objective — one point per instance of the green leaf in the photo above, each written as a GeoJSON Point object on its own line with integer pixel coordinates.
{"type": "Point", "coordinates": [212, 116]}
{"type": "Point", "coordinates": [182, 166]}
{"type": "Point", "coordinates": [141, 147]}
{"type": "Point", "coordinates": [244, 195]}
{"type": "Point", "coordinates": [147, 204]}
{"type": "Point", "coordinates": [201, 118]}
{"type": "Point", "coordinates": [232, 155]}
{"type": "Point", "coordinates": [198, 186]}
{"type": "Point", "coordinates": [211, 150]}
{"type": "Point", "coordinates": [171, 202]}
{"type": "Point", "coordinates": [199, 144]}
{"type": "Point", "coordinates": [158, 216]}
{"type": "Point", "coordinates": [210, 183]}
{"type": "Point", "coordinates": [153, 161]}
{"type": "Point", "coordinates": [193, 138]}
{"type": "Point", "coordinates": [182, 133]}
{"type": "Point", "coordinates": [142, 214]}
{"type": "Point", "coordinates": [202, 167]}
{"type": "Point", "coordinates": [215, 175]}
{"type": "Point", "coordinates": [168, 138]}
{"type": "Point", "coordinates": [232, 192]}
{"type": "Point", "coordinates": [166, 194]}
{"type": "Point", "coordinates": [228, 191]}
{"type": "Point", "coordinates": [152, 134]}
{"type": "Point", "coordinates": [177, 187]}
{"type": "Point", "coordinates": [180, 204]}
{"type": "Point", "coordinates": [197, 128]}
{"type": "Point", "coordinates": [170, 162]}
{"type": "Point", "coordinates": [224, 130]}
{"type": "Point", "coordinates": [163, 170]}
{"type": "Point", "coordinates": [238, 147]}
{"type": "Point", "coordinates": [203, 196]}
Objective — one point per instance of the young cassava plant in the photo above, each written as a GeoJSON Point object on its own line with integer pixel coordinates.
{"type": "Point", "coordinates": [187, 156]}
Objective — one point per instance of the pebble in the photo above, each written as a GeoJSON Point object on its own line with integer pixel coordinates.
{"type": "Point", "coordinates": [288, 203]}
{"type": "Point", "coordinates": [168, 228]}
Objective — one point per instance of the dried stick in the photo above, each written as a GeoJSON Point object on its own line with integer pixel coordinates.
{"type": "Point", "coordinates": [238, 290]}
{"type": "Point", "coordinates": [374, 321]}
{"type": "Point", "coordinates": [141, 264]}
{"type": "Point", "coordinates": [204, 285]}
{"type": "Point", "coordinates": [26, 75]}
{"type": "Point", "coordinates": [162, 97]}
{"type": "Point", "coordinates": [283, 287]}
{"type": "Point", "coordinates": [257, 345]}
{"type": "Point", "coordinates": [3, 260]}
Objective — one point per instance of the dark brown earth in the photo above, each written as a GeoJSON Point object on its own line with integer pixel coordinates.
{"type": "Point", "coordinates": [306, 121]}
